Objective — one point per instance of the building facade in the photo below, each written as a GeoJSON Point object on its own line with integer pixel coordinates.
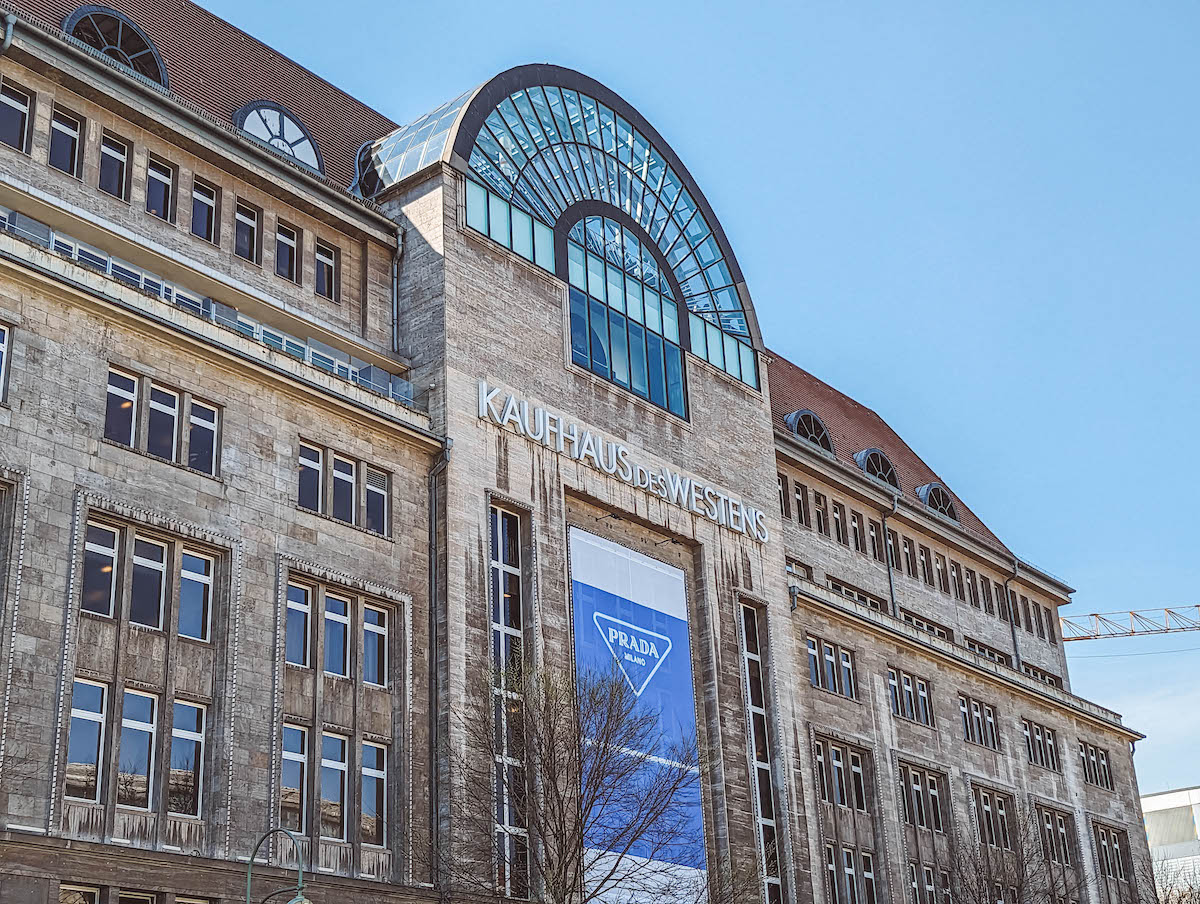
{"type": "Point", "coordinates": [1174, 839]}
{"type": "Point", "coordinates": [307, 417]}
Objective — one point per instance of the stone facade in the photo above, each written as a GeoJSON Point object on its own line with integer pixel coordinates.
{"type": "Point", "coordinates": [467, 310]}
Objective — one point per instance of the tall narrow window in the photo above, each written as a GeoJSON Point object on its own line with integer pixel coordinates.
{"type": "Point", "coordinates": [375, 644]}
{"type": "Point", "coordinates": [377, 500]}
{"type": "Point", "coordinates": [858, 781]}
{"type": "Point", "coordinates": [822, 775]}
{"type": "Point", "coordinates": [245, 234]}
{"type": "Point", "coordinates": [162, 431]}
{"type": "Point", "coordinates": [821, 508]}
{"type": "Point", "coordinates": [187, 759]}
{"type": "Point", "coordinates": [14, 117]}
{"type": "Point", "coordinates": [850, 868]}
{"type": "Point", "coordinates": [285, 252]}
{"type": "Point", "coordinates": [204, 211]}
{"type": "Point", "coordinates": [326, 270]}
{"type": "Point", "coordinates": [99, 569]}
{"type": "Point", "coordinates": [299, 608]}
{"type": "Point", "coordinates": [839, 523]}
{"type": "Point", "coordinates": [135, 761]}
{"type": "Point", "coordinates": [195, 595]}
{"type": "Point", "coordinates": [3, 359]}
{"type": "Point", "coordinates": [293, 784]}
{"type": "Point", "coordinates": [814, 663]}
{"type": "Point", "coordinates": [114, 162]}
{"type": "Point", "coordinates": [935, 803]}
{"type": "Point", "coordinates": [374, 794]}
{"type": "Point", "coordinates": [311, 478]}
{"type": "Point", "coordinates": [753, 651]}
{"type": "Point", "coordinates": [511, 836]}
{"type": "Point", "coordinates": [868, 871]}
{"type": "Point", "coordinates": [120, 414]}
{"type": "Point", "coordinates": [801, 496]}
{"type": "Point", "coordinates": [202, 438]}
{"type": "Point", "coordinates": [333, 787]}
{"type": "Point", "coordinates": [85, 748]}
{"type": "Point", "coordinates": [831, 872]}
{"type": "Point", "coordinates": [344, 495]}
{"type": "Point", "coordinates": [831, 679]}
{"type": "Point", "coordinates": [337, 634]}
{"type": "Point", "coordinates": [856, 532]}
{"type": "Point", "coordinates": [159, 195]}
{"type": "Point", "coordinates": [839, 775]}
{"type": "Point", "coordinates": [847, 663]}
{"type": "Point", "coordinates": [149, 583]}
{"type": "Point", "coordinates": [64, 142]}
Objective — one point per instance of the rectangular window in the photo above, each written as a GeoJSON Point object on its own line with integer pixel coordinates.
{"type": "Point", "coordinates": [985, 588]}
{"type": "Point", "coordinates": [345, 496]}
{"type": "Point", "coordinates": [822, 776]}
{"type": "Point", "coordinates": [874, 535]}
{"type": "Point", "coordinates": [839, 775]}
{"type": "Point", "coordinates": [333, 786]}
{"type": "Point", "coordinates": [847, 663]}
{"type": "Point", "coordinates": [162, 431]}
{"type": "Point", "coordinates": [184, 784]}
{"type": "Point", "coordinates": [195, 595]}
{"type": "Point", "coordinates": [202, 438]}
{"type": "Point", "coordinates": [114, 163]}
{"type": "Point", "coordinates": [148, 589]}
{"type": "Point", "coordinates": [870, 894]}
{"type": "Point", "coordinates": [939, 564]}
{"type": "Point", "coordinates": [858, 781]}
{"type": "Point", "coordinates": [120, 414]}
{"type": "Point", "coordinates": [856, 532]}
{"type": "Point", "coordinates": [1050, 632]}
{"type": "Point", "coordinates": [286, 240]}
{"type": "Point", "coordinates": [980, 726]}
{"type": "Point", "coordinates": [160, 179]}
{"type": "Point", "coordinates": [99, 569]}
{"type": "Point", "coordinates": [935, 802]}
{"type": "Point", "coordinates": [377, 501]}
{"type": "Point", "coordinates": [64, 142]}
{"type": "Point", "coordinates": [78, 894]}
{"type": "Point", "coordinates": [830, 679]}
{"type": "Point", "coordinates": [374, 795]}
{"type": "Point", "coordinates": [293, 785]}
{"type": "Point", "coordinates": [245, 234]}
{"type": "Point", "coordinates": [3, 359]}
{"type": "Point", "coordinates": [956, 581]}
{"type": "Point", "coordinates": [375, 645]}
{"type": "Point", "coordinates": [326, 270]}
{"type": "Point", "coordinates": [820, 507]}
{"type": "Point", "coordinates": [85, 749]}
{"type": "Point", "coordinates": [910, 558]}
{"type": "Point", "coordinates": [801, 497]}
{"type": "Point", "coordinates": [135, 759]}
{"type": "Point", "coordinates": [784, 507]}
{"type": "Point", "coordinates": [753, 654]}
{"type": "Point", "coordinates": [926, 566]}
{"type": "Point", "coordinates": [337, 635]}
{"type": "Point", "coordinates": [814, 663]}
{"type": "Point", "coordinates": [893, 544]}
{"type": "Point", "coordinates": [299, 608]}
{"type": "Point", "coordinates": [14, 117]}
{"type": "Point", "coordinates": [849, 866]}
{"type": "Point", "coordinates": [311, 478]}
{"type": "Point", "coordinates": [832, 875]}
{"type": "Point", "coordinates": [204, 211]}
{"type": "Point", "coordinates": [839, 524]}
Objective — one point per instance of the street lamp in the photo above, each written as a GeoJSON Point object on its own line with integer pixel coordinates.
{"type": "Point", "coordinates": [299, 898]}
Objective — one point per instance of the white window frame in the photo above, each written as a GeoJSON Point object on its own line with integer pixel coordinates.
{"type": "Point", "coordinates": [113, 552]}
{"type": "Point", "coordinates": [244, 213]}
{"type": "Point", "coordinates": [205, 194]}
{"type": "Point", "coordinates": [59, 122]}
{"type": "Point", "coordinates": [325, 254]}
{"type": "Point", "coordinates": [160, 567]}
{"type": "Point", "coordinates": [6, 90]}
{"type": "Point", "coordinates": [302, 759]}
{"type": "Point", "coordinates": [935, 801]}
{"type": "Point", "coordinates": [838, 765]}
{"type": "Point", "coordinates": [381, 776]}
{"type": "Point", "coordinates": [344, 621]}
{"type": "Point", "coordinates": [318, 465]}
{"type": "Point", "coordinates": [1002, 822]}
{"type": "Point", "coordinates": [304, 607]}
{"type": "Point", "coordinates": [858, 781]}
{"type": "Point", "coordinates": [101, 718]}
{"type": "Point", "coordinates": [4, 355]}
{"type": "Point", "coordinates": [342, 767]}
{"type": "Point", "coordinates": [924, 710]}
{"type": "Point", "coordinates": [291, 240]}
{"type": "Point", "coordinates": [375, 474]}
{"type": "Point", "coordinates": [129, 396]}
{"type": "Point", "coordinates": [164, 174]}
{"type": "Point", "coordinates": [849, 685]}
{"type": "Point", "coordinates": [172, 411]}
{"type": "Point", "coordinates": [91, 890]}
{"type": "Point", "coordinates": [198, 737]}
{"type": "Point", "coordinates": [118, 150]}
{"type": "Point", "coordinates": [382, 631]}
{"type": "Point", "coordinates": [198, 423]}
{"type": "Point", "coordinates": [868, 873]}
{"type": "Point", "coordinates": [757, 766]}
{"type": "Point", "coordinates": [831, 871]}
{"type": "Point", "coordinates": [151, 728]}
{"type": "Point", "coordinates": [352, 479]}
{"type": "Point", "coordinates": [850, 868]}
{"type": "Point", "coordinates": [205, 580]}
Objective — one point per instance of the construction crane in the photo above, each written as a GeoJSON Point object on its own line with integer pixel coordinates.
{"type": "Point", "coordinates": [1138, 623]}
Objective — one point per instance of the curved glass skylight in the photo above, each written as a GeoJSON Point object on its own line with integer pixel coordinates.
{"type": "Point", "coordinates": [281, 130]}
{"type": "Point", "coordinates": [403, 152]}
{"type": "Point", "coordinates": [116, 36]}
{"type": "Point", "coordinates": [877, 465]}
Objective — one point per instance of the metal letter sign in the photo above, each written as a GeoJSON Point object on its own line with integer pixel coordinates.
{"type": "Point", "coordinates": [630, 611]}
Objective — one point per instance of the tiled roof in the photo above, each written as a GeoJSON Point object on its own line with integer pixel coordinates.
{"type": "Point", "coordinates": [853, 428]}
{"type": "Point", "coordinates": [219, 68]}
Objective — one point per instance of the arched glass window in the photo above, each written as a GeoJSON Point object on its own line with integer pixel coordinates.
{"type": "Point", "coordinates": [808, 426]}
{"type": "Point", "coordinates": [624, 319]}
{"type": "Point", "coordinates": [937, 497]}
{"type": "Point", "coordinates": [875, 464]}
{"type": "Point", "coordinates": [281, 130]}
{"type": "Point", "coordinates": [115, 35]}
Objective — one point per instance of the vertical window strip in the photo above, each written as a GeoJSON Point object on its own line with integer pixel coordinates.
{"type": "Point", "coordinates": [135, 760]}
{"type": "Point", "coordinates": [293, 798]}
{"type": "Point", "coordinates": [120, 419]}
{"type": "Point", "coordinates": [754, 642]}
{"type": "Point", "coordinates": [334, 755]}
{"type": "Point", "coordinates": [375, 645]}
{"type": "Point", "coordinates": [85, 750]}
{"type": "Point", "coordinates": [202, 437]}
{"type": "Point", "coordinates": [185, 785]}
{"type": "Point", "coordinates": [374, 795]}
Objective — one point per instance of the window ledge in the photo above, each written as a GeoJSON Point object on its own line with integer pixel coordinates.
{"type": "Point", "coordinates": [150, 455]}
{"type": "Point", "coordinates": [333, 520]}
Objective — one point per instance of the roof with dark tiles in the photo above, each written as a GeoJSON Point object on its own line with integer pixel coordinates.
{"type": "Point", "coordinates": [219, 68]}
{"type": "Point", "coordinates": [854, 427]}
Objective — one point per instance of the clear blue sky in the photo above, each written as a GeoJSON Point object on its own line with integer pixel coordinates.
{"type": "Point", "coordinates": [979, 219]}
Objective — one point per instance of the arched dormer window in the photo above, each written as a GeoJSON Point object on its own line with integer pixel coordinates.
{"type": "Point", "coordinates": [281, 130]}
{"type": "Point", "coordinates": [116, 36]}
{"type": "Point", "coordinates": [806, 425]}
{"type": "Point", "coordinates": [875, 464]}
{"type": "Point", "coordinates": [937, 497]}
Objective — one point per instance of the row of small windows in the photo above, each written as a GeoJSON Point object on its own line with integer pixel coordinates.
{"type": "Point", "coordinates": [334, 805]}
{"type": "Point", "coordinates": [339, 613]}
{"type": "Point", "coordinates": [162, 192]}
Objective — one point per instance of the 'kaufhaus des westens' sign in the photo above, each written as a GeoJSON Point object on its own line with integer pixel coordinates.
{"type": "Point", "coordinates": [567, 438]}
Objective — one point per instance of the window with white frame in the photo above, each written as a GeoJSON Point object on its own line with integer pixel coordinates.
{"type": "Point", "coordinates": [992, 815]}
{"type": "Point", "coordinates": [1056, 831]}
{"type": "Point", "coordinates": [311, 495]}
{"type": "Point", "coordinates": [375, 645]}
{"type": "Point", "coordinates": [160, 189]}
{"type": "Point", "coordinates": [14, 116]}
{"type": "Point", "coordinates": [195, 595]}
{"type": "Point", "coordinates": [202, 437]}
{"type": "Point", "coordinates": [835, 672]}
{"type": "Point", "coordinates": [245, 233]}
{"type": "Point", "coordinates": [204, 211]}
{"type": "Point", "coordinates": [64, 142]}
{"type": "Point", "coordinates": [979, 722]}
{"type": "Point", "coordinates": [135, 759]}
{"type": "Point", "coordinates": [831, 875]}
{"type": "Point", "coordinates": [326, 270]}
{"type": "Point", "coordinates": [925, 797]}
{"type": "Point", "coordinates": [185, 781]}
{"type": "Point", "coordinates": [163, 436]}
{"type": "Point", "coordinates": [1110, 846]}
{"type": "Point", "coordinates": [293, 797]}
{"type": "Point", "coordinates": [842, 773]}
{"type": "Point", "coordinates": [850, 868]}
{"type": "Point", "coordinates": [114, 167]}
{"type": "Point", "coordinates": [374, 795]}
{"type": "Point", "coordinates": [297, 630]}
{"type": "Point", "coordinates": [120, 416]}
{"type": "Point", "coordinates": [286, 239]}
{"type": "Point", "coordinates": [162, 428]}
{"type": "Point", "coordinates": [149, 586]}
{"type": "Point", "coordinates": [870, 894]}
{"type": "Point", "coordinates": [79, 894]}
{"type": "Point", "coordinates": [85, 747]}
{"type": "Point", "coordinates": [1094, 765]}
{"type": "Point", "coordinates": [910, 697]}
{"type": "Point", "coordinates": [924, 624]}
{"type": "Point", "coordinates": [100, 553]}
{"type": "Point", "coordinates": [754, 642]}
{"type": "Point", "coordinates": [377, 501]}
{"type": "Point", "coordinates": [337, 636]}
{"type": "Point", "coordinates": [1041, 743]}
{"type": "Point", "coordinates": [344, 495]}
{"type": "Point", "coordinates": [334, 750]}
{"type": "Point", "coordinates": [4, 355]}
{"type": "Point", "coordinates": [982, 649]}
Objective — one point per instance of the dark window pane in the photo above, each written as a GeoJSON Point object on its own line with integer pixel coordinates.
{"type": "Point", "coordinates": [64, 143]}
{"type": "Point", "coordinates": [193, 609]}
{"type": "Point", "coordinates": [599, 327]}
{"type": "Point", "coordinates": [83, 757]}
{"type": "Point", "coordinates": [98, 575]}
{"type": "Point", "coordinates": [373, 657]}
{"type": "Point", "coordinates": [619, 345]}
{"type": "Point", "coordinates": [160, 434]}
{"type": "Point", "coordinates": [202, 451]}
{"type": "Point", "coordinates": [343, 500]}
{"type": "Point", "coordinates": [372, 808]}
{"type": "Point", "coordinates": [293, 795]}
{"type": "Point", "coordinates": [133, 767]}
{"type": "Point", "coordinates": [13, 119]}
{"type": "Point", "coordinates": [674, 367]}
{"type": "Point", "coordinates": [333, 793]}
{"type": "Point", "coordinates": [579, 328]}
{"type": "Point", "coordinates": [145, 598]}
{"type": "Point", "coordinates": [376, 512]}
{"type": "Point", "coordinates": [297, 637]}
{"type": "Point", "coordinates": [118, 420]}
{"type": "Point", "coordinates": [183, 787]}
{"type": "Point", "coordinates": [655, 374]}
{"type": "Point", "coordinates": [637, 359]}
